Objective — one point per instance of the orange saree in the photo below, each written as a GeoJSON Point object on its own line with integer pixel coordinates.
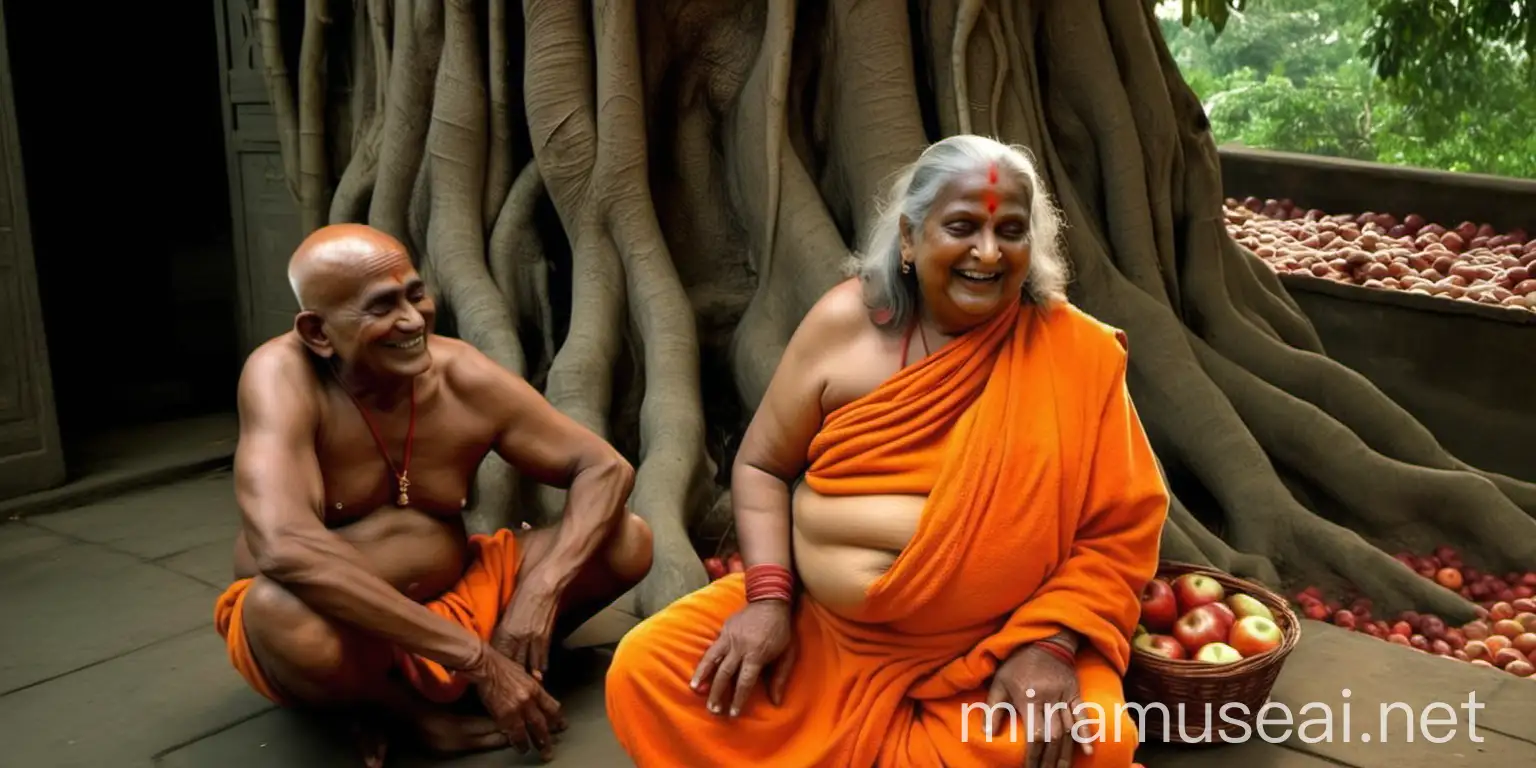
{"type": "Point", "coordinates": [1045, 509]}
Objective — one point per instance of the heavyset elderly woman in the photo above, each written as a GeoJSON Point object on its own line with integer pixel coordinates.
{"type": "Point", "coordinates": [945, 501]}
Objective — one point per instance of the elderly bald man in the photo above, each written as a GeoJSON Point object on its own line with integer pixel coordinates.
{"type": "Point", "coordinates": [357, 586]}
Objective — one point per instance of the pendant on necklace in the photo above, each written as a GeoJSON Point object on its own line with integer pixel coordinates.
{"type": "Point", "coordinates": [404, 498]}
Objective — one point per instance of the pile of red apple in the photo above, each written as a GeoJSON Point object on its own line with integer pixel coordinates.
{"type": "Point", "coordinates": [718, 567]}
{"type": "Point", "coordinates": [1470, 262]}
{"type": "Point", "coordinates": [1194, 617]}
{"type": "Point", "coordinates": [1503, 635]}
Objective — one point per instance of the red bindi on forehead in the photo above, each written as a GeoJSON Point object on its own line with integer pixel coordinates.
{"type": "Point", "coordinates": [991, 194]}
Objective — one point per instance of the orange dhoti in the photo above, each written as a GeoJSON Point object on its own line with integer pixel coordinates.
{"type": "Point", "coordinates": [1045, 510]}
{"type": "Point", "coordinates": [476, 603]}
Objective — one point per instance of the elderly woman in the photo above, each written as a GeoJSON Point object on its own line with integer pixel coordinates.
{"type": "Point", "coordinates": [946, 504]}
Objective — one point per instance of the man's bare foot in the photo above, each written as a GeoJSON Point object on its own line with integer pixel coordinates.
{"type": "Point", "coordinates": [368, 733]}
{"type": "Point", "coordinates": [451, 733]}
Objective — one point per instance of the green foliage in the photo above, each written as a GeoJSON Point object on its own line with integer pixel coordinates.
{"type": "Point", "coordinates": [1307, 76]}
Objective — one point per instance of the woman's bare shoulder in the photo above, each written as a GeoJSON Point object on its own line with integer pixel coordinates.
{"type": "Point", "coordinates": [837, 317]}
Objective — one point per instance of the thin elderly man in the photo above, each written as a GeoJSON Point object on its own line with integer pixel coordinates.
{"type": "Point", "coordinates": [357, 586]}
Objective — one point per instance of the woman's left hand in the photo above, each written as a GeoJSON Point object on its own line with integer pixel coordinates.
{"type": "Point", "coordinates": [1033, 680]}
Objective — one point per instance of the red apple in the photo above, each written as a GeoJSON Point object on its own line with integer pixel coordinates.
{"type": "Point", "coordinates": [1196, 629]}
{"type": "Point", "coordinates": [1316, 612]}
{"type": "Point", "coordinates": [1420, 642]}
{"type": "Point", "coordinates": [1527, 620]}
{"type": "Point", "coordinates": [1412, 617]}
{"type": "Point", "coordinates": [1217, 653]}
{"type": "Point", "coordinates": [1161, 645]}
{"type": "Point", "coordinates": [1344, 620]}
{"type": "Point", "coordinates": [1455, 638]}
{"type": "Point", "coordinates": [1521, 668]}
{"type": "Point", "coordinates": [1439, 648]}
{"type": "Point", "coordinates": [1483, 663]}
{"type": "Point", "coordinates": [1529, 579]}
{"type": "Point", "coordinates": [1402, 628]}
{"type": "Point", "coordinates": [1497, 643]}
{"type": "Point", "coordinates": [1477, 649]}
{"type": "Point", "coordinates": [1501, 610]}
{"type": "Point", "coordinates": [1159, 609]}
{"type": "Point", "coordinates": [1450, 578]}
{"type": "Point", "coordinates": [1247, 605]}
{"type": "Point", "coordinates": [1371, 628]}
{"type": "Point", "coordinates": [1475, 630]}
{"type": "Point", "coordinates": [1193, 590]}
{"type": "Point", "coordinates": [1432, 627]}
{"type": "Point", "coordinates": [1506, 657]}
{"type": "Point", "coordinates": [1525, 643]}
{"type": "Point", "coordinates": [1460, 655]}
{"type": "Point", "coordinates": [1228, 618]}
{"type": "Point", "coordinates": [1508, 628]}
{"type": "Point", "coordinates": [1253, 635]}
{"type": "Point", "coordinates": [1397, 639]}
{"type": "Point", "coordinates": [1524, 605]}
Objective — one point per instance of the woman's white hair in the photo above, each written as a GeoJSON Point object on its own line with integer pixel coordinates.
{"type": "Point", "coordinates": [891, 295]}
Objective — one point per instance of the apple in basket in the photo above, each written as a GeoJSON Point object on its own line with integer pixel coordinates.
{"type": "Point", "coordinates": [1161, 645]}
{"type": "Point", "coordinates": [1247, 605]}
{"type": "Point", "coordinates": [1253, 635]}
{"type": "Point", "coordinates": [1199, 628]}
{"type": "Point", "coordinates": [1159, 609]}
{"type": "Point", "coordinates": [1193, 590]}
{"type": "Point", "coordinates": [1218, 653]}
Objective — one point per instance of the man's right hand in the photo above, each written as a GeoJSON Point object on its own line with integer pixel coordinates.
{"type": "Point", "coordinates": [517, 702]}
{"type": "Point", "coordinates": [756, 637]}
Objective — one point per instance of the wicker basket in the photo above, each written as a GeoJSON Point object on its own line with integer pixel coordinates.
{"type": "Point", "coordinates": [1171, 683]}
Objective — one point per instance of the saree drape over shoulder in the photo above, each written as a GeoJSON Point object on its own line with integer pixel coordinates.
{"type": "Point", "coordinates": [1045, 510]}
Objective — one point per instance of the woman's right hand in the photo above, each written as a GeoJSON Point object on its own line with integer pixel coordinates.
{"type": "Point", "coordinates": [755, 637]}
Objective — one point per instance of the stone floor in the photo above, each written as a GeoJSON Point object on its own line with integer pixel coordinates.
{"type": "Point", "coordinates": [109, 658]}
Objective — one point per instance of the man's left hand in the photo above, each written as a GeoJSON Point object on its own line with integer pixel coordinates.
{"type": "Point", "coordinates": [1044, 693]}
{"type": "Point", "coordinates": [525, 629]}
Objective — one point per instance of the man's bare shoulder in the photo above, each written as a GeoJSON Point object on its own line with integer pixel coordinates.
{"type": "Point", "coordinates": [279, 375]}
{"type": "Point", "coordinates": [470, 373]}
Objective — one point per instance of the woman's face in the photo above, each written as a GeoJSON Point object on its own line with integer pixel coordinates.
{"type": "Point", "coordinates": [971, 256]}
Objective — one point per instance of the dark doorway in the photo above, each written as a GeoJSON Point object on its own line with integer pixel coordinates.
{"type": "Point", "coordinates": [118, 109]}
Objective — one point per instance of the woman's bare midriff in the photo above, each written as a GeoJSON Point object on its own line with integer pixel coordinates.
{"type": "Point", "coordinates": [417, 553]}
{"type": "Point", "coordinates": [842, 544]}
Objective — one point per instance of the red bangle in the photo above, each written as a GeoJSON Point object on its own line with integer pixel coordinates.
{"type": "Point", "coordinates": [1059, 652]}
{"type": "Point", "coordinates": [769, 581]}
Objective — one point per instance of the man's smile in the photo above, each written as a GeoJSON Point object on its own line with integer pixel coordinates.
{"type": "Point", "coordinates": [411, 343]}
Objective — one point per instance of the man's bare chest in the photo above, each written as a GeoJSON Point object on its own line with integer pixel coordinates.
{"type": "Point", "coordinates": [429, 468]}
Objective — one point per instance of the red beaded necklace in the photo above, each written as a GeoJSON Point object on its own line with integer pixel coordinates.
{"type": "Point", "coordinates": [401, 480]}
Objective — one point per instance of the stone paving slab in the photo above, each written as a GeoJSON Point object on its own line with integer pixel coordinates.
{"type": "Point", "coordinates": [211, 563]}
{"type": "Point", "coordinates": [80, 604]}
{"type": "Point", "coordinates": [169, 693]}
{"type": "Point", "coordinates": [158, 521]}
{"type": "Point", "coordinates": [19, 540]}
{"type": "Point", "coordinates": [283, 738]}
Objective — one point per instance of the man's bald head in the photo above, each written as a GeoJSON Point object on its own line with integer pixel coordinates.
{"type": "Point", "coordinates": [337, 262]}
